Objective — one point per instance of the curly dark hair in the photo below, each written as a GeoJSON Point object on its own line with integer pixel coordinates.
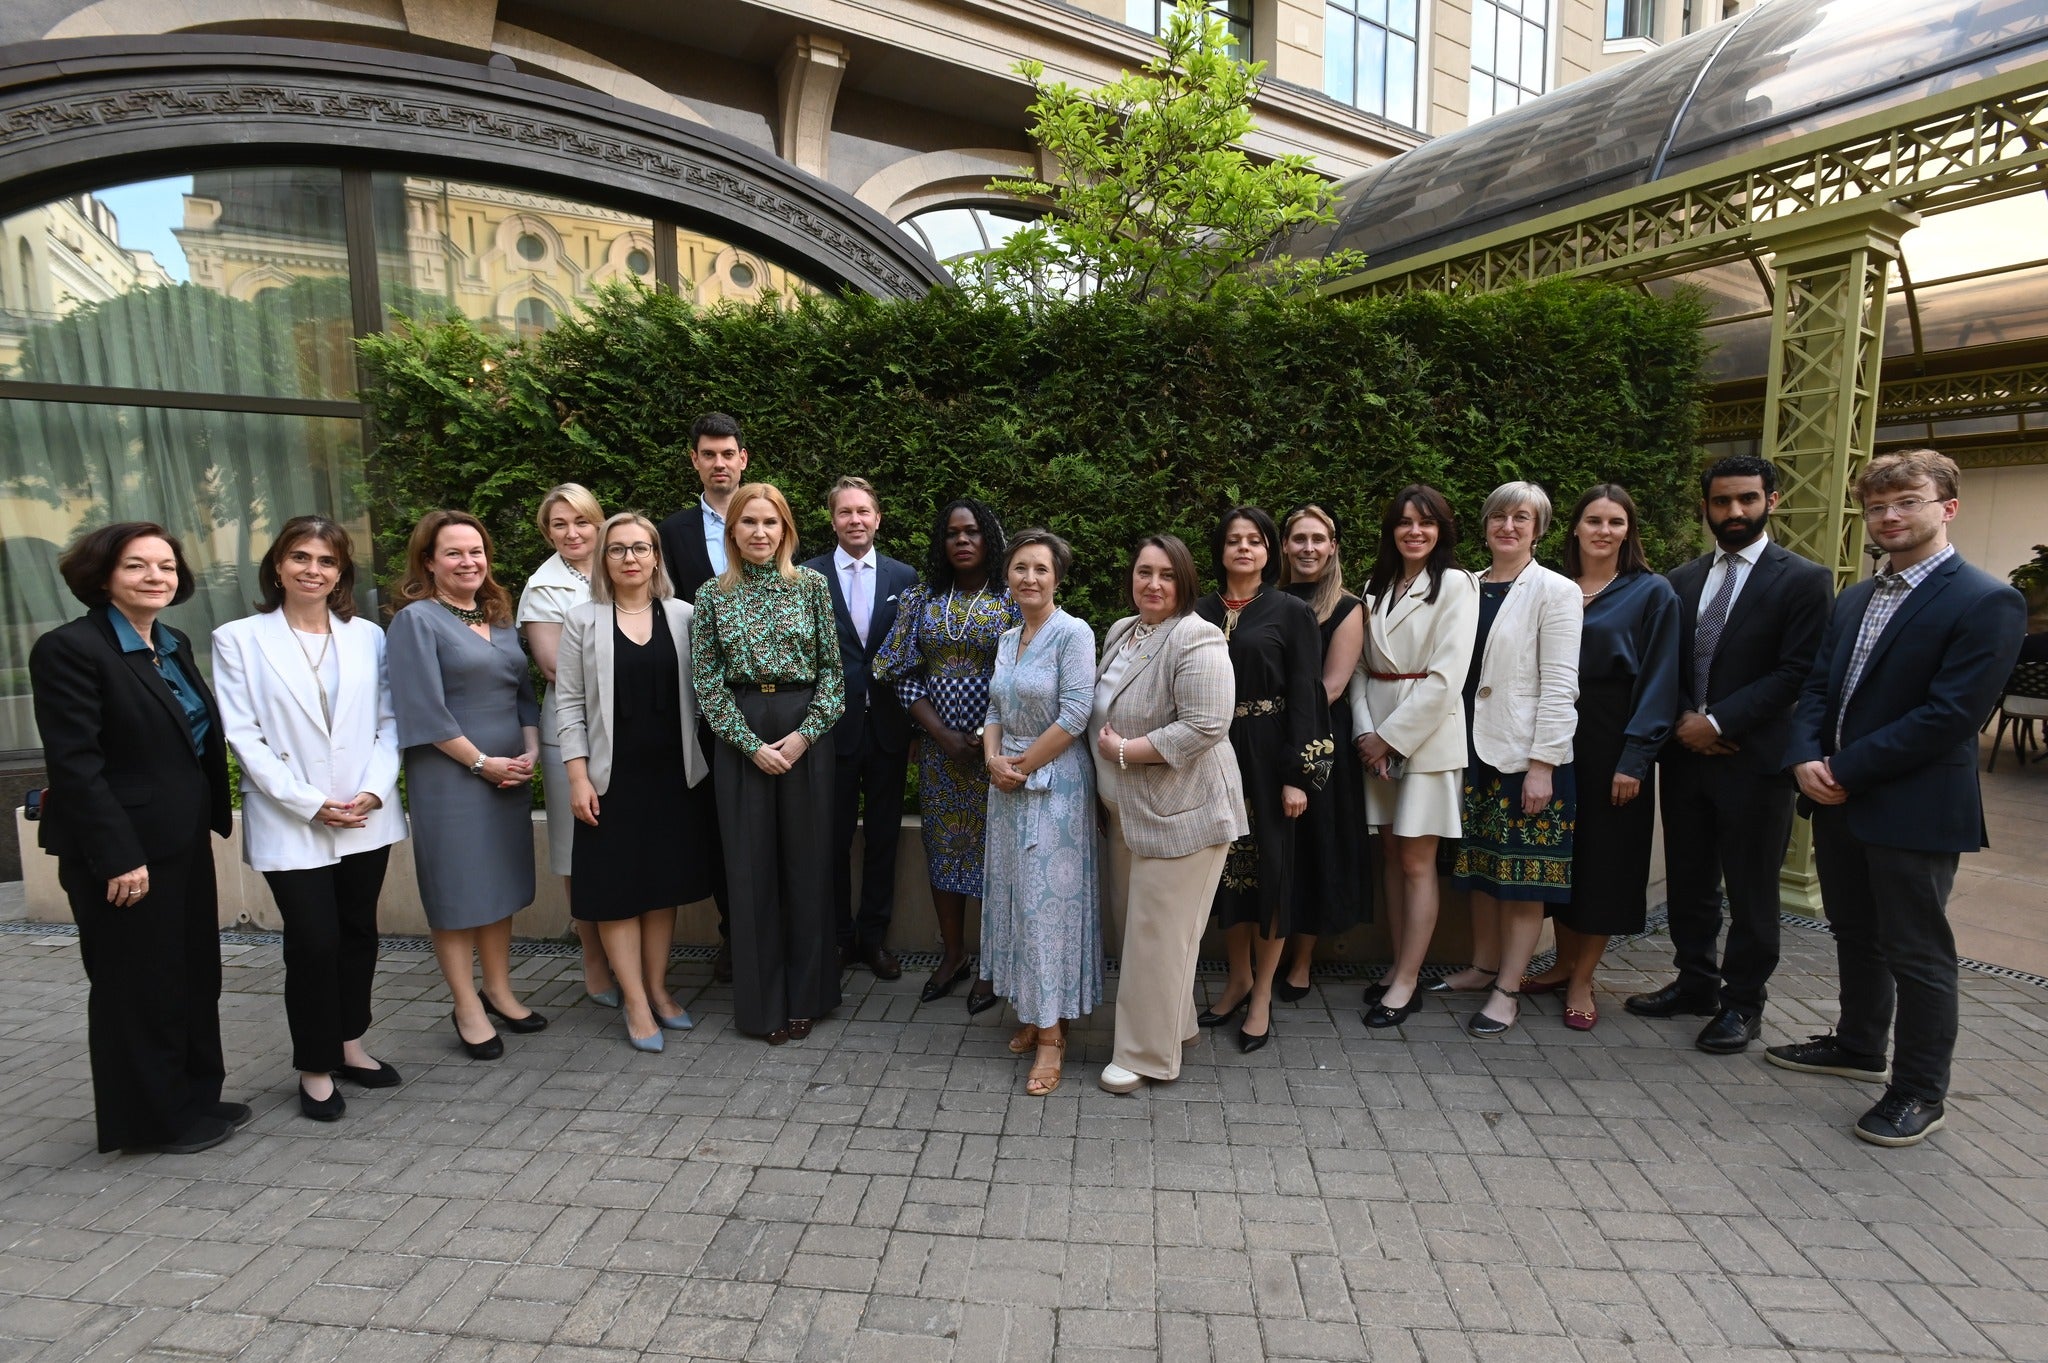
{"type": "Point", "coordinates": [92, 558]}
{"type": "Point", "coordinates": [938, 569]}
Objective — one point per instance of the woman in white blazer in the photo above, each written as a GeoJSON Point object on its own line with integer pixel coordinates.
{"type": "Point", "coordinates": [1406, 702]}
{"type": "Point", "coordinates": [307, 708]}
{"type": "Point", "coordinates": [1521, 804]}
{"type": "Point", "coordinates": [626, 712]}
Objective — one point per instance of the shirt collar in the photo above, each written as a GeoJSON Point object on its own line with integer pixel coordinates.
{"type": "Point", "coordinates": [1920, 571]}
{"type": "Point", "coordinates": [843, 560]}
{"type": "Point", "coordinates": [710, 517]}
{"type": "Point", "coordinates": [131, 642]}
{"type": "Point", "coordinates": [1754, 550]}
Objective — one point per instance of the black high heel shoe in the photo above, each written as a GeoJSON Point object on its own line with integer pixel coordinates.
{"type": "Point", "coordinates": [532, 1022]}
{"type": "Point", "coordinates": [479, 1050]}
{"type": "Point", "coordinates": [1248, 1043]}
{"type": "Point", "coordinates": [1290, 993]}
{"type": "Point", "coordinates": [936, 988]}
{"type": "Point", "coordinates": [978, 1002]}
{"type": "Point", "coordinates": [1209, 1017]}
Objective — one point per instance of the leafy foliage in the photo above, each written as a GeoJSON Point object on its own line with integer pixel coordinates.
{"type": "Point", "coordinates": [1104, 419]}
{"type": "Point", "coordinates": [1151, 192]}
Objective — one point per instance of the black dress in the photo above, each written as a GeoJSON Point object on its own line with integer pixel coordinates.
{"type": "Point", "coordinates": [630, 863]}
{"type": "Point", "coordinates": [1628, 703]}
{"type": "Point", "coordinates": [1280, 734]}
{"type": "Point", "coordinates": [1332, 879]}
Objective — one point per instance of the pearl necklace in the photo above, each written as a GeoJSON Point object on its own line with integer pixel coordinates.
{"type": "Point", "coordinates": [967, 623]}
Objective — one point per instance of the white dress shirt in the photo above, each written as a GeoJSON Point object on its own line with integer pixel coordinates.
{"type": "Point", "coordinates": [714, 537]}
{"type": "Point", "coordinates": [858, 588]}
{"type": "Point", "coordinates": [1747, 557]}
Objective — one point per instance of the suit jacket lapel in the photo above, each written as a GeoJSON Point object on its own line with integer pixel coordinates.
{"type": "Point", "coordinates": [358, 656]}
{"type": "Point", "coordinates": [842, 613]}
{"type": "Point", "coordinates": [1154, 648]}
{"type": "Point", "coordinates": [1916, 601]}
{"type": "Point", "coordinates": [882, 610]}
{"type": "Point", "coordinates": [151, 681]}
{"type": "Point", "coordinates": [1769, 567]}
{"type": "Point", "coordinates": [281, 650]}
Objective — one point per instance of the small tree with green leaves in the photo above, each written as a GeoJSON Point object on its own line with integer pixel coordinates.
{"type": "Point", "coordinates": [1152, 192]}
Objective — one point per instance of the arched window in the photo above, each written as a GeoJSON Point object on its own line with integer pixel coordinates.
{"type": "Point", "coordinates": [533, 314]}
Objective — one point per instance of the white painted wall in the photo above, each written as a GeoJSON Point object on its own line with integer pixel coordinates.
{"type": "Point", "coordinates": [2004, 515]}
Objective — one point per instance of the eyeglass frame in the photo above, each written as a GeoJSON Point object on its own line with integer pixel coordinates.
{"type": "Point", "coordinates": [622, 552]}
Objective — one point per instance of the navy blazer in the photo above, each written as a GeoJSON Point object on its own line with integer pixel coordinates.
{"type": "Point", "coordinates": [1909, 741]}
{"type": "Point", "coordinates": [683, 554]}
{"type": "Point", "coordinates": [1766, 650]}
{"type": "Point", "coordinates": [876, 706]}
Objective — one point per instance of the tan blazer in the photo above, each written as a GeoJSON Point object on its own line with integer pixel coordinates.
{"type": "Point", "coordinates": [1526, 707]}
{"type": "Point", "coordinates": [1179, 693]}
{"type": "Point", "coordinates": [1422, 719]}
{"type": "Point", "coordinates": [583, 689]}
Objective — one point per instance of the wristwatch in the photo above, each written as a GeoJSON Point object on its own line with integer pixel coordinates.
{"type": "Point", "coordinates": [476, 768]}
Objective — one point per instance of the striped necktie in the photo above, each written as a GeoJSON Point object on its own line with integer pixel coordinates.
{"type": "Point", "coordinates": [1712, 621]}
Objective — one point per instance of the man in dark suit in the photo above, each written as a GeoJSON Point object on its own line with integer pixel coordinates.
{"type": "Point", "coordinates": [1752, 616]}
{"type": "Point", "coordinates": [693, 552]}
{"type": "Point", "coordinates": [873, 737]}
{"type": "Point", "coordinates": [1885, 752]}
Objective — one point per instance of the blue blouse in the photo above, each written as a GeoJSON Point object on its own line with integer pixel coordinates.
{"type": "Point", "coordinates": [1630, 639]}
{"type": "Point", "coordinates": [172, 669]}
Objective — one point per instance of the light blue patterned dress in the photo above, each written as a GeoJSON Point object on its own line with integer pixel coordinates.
{"type": "Point", "coordinates": [1041, 915]}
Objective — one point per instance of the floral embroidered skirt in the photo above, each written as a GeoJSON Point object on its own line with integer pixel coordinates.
{"type": "Point", "coordinates": [1512, 855]}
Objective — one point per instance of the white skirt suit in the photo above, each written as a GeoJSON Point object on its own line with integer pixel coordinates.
{"type": "Point", "coordinates": [1410, 690]}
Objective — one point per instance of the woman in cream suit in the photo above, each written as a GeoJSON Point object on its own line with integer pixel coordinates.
{"type": "Point", "coordinates": [628, 723]}
{"type": "Point", "coordinates": [1169, 783]}
{"type": "Point", "coordinates": [1421, 609]}
{"type": "Point", "coordinates": [1521, 804]}
{"type": "Point", "coordinates": [306, 705]}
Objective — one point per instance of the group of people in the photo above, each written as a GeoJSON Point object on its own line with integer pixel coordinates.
{"type": "Point", "coordinates": [717, 719]}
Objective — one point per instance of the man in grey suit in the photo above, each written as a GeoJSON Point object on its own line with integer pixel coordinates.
{"type": "Point", "coordinates": [872, 740]}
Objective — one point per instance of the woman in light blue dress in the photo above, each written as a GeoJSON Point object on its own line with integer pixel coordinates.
{"type": "Point", "coordinates": [1041, 918]}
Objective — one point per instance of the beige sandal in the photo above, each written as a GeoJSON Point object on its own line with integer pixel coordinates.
{"type": "Point", "coordinates": [1043, 1079]}
{"type": "Point", "coordinates": [1025, 1040]}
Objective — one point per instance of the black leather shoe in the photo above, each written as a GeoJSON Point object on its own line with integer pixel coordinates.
{"type": "Point", "coordinates": [383, 1077]}
{"type": "Point", "coordinates": [532, 1022]}
{"type": "Point", "coordinates": [479, 1050]}
{"type": "Point", "coordinates": [1824, 1054]}
{"type": "Point", "coordinates": [882, 963]}
{"type": "Point", "coordinates": [1377, 990]}
{"type": "Point", "coordinates": [980, 1000]}
{"type": "Point", "coordinates": [236, 1115]}
{"type": "Point", "coordinates": [1900, 1119]}
{"type": "Point", "coordinates": [1483, 1024]}
{"type": "Point", "coordinates": [1380, 1016]}
{"type": "Point", "coordinates": [1248, 1043]}
{"type": "Point", "coordinates": [203, 1134]}
{"type": "Point", "coordinates": [1730, 1032]}
{"type": "Point", "coordinates": [1290, 993]}
{"type": "Point", "coordinates": [1673, 1000]}
{"type": "Point", "coordinates": [721, 964]}
{"type": "Point", "coordinates": [322, 1109]}
{"type": "Point", "coordinates": [938, 986]}
{"type": "Point", "coordinates": [1209, 1017]}
{"type": "Point", "coordinates": [1443, 985]}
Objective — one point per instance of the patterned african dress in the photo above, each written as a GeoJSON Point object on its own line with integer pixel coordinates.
{"type": "Point", "coordinates": [943, 649]}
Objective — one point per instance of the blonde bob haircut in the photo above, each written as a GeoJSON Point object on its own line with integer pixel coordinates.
{"type": "Point", "coordinates": [1510, 496]}
{"type": "Point", "coordinates": [601, 580]}
{"type": "Point", "coordinates": [785, 552]}
{"type": "Point", "coordinates": [580, 501]}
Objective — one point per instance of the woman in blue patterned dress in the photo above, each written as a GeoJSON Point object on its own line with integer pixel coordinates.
{"type": "Point", "coordinates": [941, 655]}
{"type": "Point", "coordinates": [1041, 922]}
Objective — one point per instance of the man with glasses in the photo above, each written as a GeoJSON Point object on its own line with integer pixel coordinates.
{"type": "Point", "coordinates": [1751, 617]}
{"type": "Point", "coordinates": [1884, 748]}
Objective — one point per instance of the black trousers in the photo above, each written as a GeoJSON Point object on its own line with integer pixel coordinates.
{"type": "Point", "coordinates": [714, 846]}
{"type": "Point", "coordinates": [776, 831]}
{"type": "Point", "coordinates": [875, 776]}
{"type": "Point", "coordinates": [1724, 823]}
{"type": "Point", "coordinates": [1894, 951]}
{"type": "Point", "coordinates": [330, 953]}
{"type": "Point", "coordinates": [153, 1009]}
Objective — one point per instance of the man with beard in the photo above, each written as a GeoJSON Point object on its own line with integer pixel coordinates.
{"type": "Point", "coordinates": [1884, 747]}
{"type": "Point", "coordinates": [1752, 618]}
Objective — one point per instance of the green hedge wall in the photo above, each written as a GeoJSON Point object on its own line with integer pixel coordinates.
{"type": "Point", "coordinates": [1103, 419]}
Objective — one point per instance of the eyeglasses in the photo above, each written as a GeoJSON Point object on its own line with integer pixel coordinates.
{"type": "Point", "coordinates": [626, 551]}
{"type": "Point", "coordinates": [1905, 508]}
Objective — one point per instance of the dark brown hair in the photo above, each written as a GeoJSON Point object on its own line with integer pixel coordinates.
{"type": "Point", "coordinates": [1269, 532]}
{"type": "Point", "coordinates": [342, 600]}
{"type": "Point", "coordinates": [1901, 469]}
{"type": "Point", "coordinates": [1430, 505]}
{"type": "Point", "coordinates": [93, 557]}
{"type": "Point", "coordinates": [1186, 586]}
{"type": "Point", "coordinates": [417, 584]}
{"type": "Point", "coordinates": [1631, 558]}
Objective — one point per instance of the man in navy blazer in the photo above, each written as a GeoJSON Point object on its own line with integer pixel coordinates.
{"type": "Point", "coordinates": [1885, 752]}
{"type": "Point", "coordinates": [872, 739]}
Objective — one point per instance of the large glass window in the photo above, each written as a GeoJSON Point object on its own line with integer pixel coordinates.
{"type": "Point", "coordinates": [1370, 54]}
{"type": "Point", "coordinates": [1151, 16]}
{"type": "Point", "coordinates": [1632, 19]}
{"type": "Point", "coordinates": [1510, 54]}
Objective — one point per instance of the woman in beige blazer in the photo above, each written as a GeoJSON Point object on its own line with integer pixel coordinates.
{"type": "Point", "coordinates": [1169, 784]}
{"type": "Point", "coordinates": [1421, 609]}
{"type": "Point", "coordinates": [627, 719]}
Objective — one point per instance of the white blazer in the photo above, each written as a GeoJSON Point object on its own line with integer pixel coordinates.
{"type": "Point", "coordinates": [584, 701]}
{"type": "Point", "coordinates": [1421, 717]}
{"type": "Point", "coordinates": [291, 761]}
{"type": "Point", "coordinates": [1526, 708]}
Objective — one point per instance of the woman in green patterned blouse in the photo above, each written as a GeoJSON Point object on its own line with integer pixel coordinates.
{"type": "Point", "coordinates": [766, 655]}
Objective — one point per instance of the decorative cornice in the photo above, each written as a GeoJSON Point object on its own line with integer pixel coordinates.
{"type": "Point", "coordinates": [70, 110]}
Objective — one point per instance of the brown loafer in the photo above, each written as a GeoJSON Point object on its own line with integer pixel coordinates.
{"type": "Point", "coordinates": [777, 1037]}
{"type": "Point", "coordinates": [883, 963]}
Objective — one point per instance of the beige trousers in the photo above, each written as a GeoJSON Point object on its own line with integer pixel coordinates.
{"type": "Point", "coordinates": [1166, 905]}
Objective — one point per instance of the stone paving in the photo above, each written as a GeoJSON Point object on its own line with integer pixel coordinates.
{"type": "Point", "coordinates": [886, 1191]}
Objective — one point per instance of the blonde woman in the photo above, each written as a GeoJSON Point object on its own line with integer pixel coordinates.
{"type": "Point", "coordinates": [569, 516]}
{"type": "Point", "coordinates": [769, 682]}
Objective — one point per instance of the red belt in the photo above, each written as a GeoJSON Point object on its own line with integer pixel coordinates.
{"type": "Point", "coordinates": [1397, 676]}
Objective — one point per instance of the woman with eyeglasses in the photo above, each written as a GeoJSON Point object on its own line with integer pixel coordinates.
{"type": "Point", "coordinates": [629, 746]}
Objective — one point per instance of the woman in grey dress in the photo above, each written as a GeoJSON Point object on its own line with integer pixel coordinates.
{"type": "Point", "coordinates": [465, 700]}
{"type": "Point", "coordinates": [1041, 919]}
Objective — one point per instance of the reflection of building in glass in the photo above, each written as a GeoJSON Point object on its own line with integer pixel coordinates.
{"type": "Point", "coordinates": [55, 258]}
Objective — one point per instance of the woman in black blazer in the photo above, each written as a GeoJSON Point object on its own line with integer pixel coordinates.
{"type": "Point", "coordinates": [138, 775]}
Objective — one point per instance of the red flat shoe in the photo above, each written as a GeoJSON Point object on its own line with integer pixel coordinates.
{"type": "Point", "coordinates": [1532, 985]}
{"type": "Point", "coordinates": [1581, 1022]}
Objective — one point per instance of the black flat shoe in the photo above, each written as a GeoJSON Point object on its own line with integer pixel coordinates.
{"type": "Point", "coordinates": [1248, 1043]}
{"type": "Point", "coordinates": [1377, 990]}
{"type": "Point", "coordinates": [978, 1002]}
{"type": "Point", "coordinates": [532, 1022]}
{"type": "Point", "coordinates": [321, 1109]}
{"type": "Point", "coordinates": [1379, 1015]}
{"type": "Point", "coordinates": [1482, 1025]}
{"type": "Point", "coordinates": [1209, 1017]}
{"type": "Point", "coordinates": [383, 1077]}
{"type": "Point", "coordinates": [236, 1115]}
{"type": "Point", "coordinates": [1444, 985]}
{"type": "Point", "coordinates": [203, 1134]}
{"type": "Point", "coordinates": [479, 1050]}
{"type": "Point", "coordinates": [1290, 993]}
{"type": "Point", "coordinates": [936, 988]}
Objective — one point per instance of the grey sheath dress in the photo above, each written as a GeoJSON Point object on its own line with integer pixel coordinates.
{"type": "Point", "coordinates": [472, 844]}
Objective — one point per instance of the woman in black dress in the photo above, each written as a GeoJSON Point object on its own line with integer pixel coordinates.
{"type": "Point", "coordinates": [1332, 876]}
{"type": "Point", "coordinates": [628, 724]}
{"type": "Point", "coordinates": [1628, 702]}
{"type": "Point", "coordinates": [1279, 731]}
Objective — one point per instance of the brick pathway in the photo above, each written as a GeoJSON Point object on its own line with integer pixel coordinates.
{"type": "Point", "coordinates": [885, 1191]}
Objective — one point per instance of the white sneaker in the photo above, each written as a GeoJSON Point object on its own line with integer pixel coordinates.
{"type": "Point", "coordinates": [1117, 1079]}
